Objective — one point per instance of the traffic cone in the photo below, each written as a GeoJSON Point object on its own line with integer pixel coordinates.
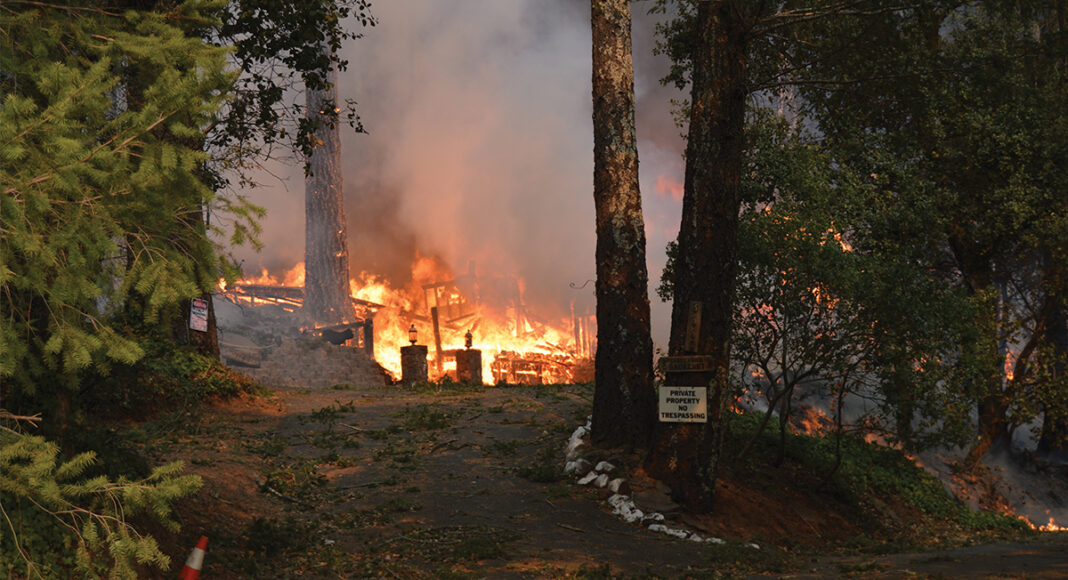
{"type": "Point", "coordinates": [191, 571]}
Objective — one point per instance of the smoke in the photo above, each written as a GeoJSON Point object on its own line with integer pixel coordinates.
{"type": "Point", "coordinates": [479, 148]}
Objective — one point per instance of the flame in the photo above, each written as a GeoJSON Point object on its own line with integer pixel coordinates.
{"type": "Point", "coordinates": [837, 236]}
{"type": "Point", "coordinates": [811, 421]}
{"type": "Point", "coordinates": [538, 350]}
{"type": "Point", "coordinates": [292, 277]}
{"type": "Point", "coordinates": [1010, 365]}
{"type": "Point", "coordinates": [1050, 526]}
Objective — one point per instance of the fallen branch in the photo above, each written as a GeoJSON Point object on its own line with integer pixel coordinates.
{"type": "Point", "coordinates": [280, 495]}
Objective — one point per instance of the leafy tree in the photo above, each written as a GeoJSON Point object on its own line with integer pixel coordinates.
{"type": "Point", "coordinates": [948, 115]}
{"type": "Point", "coordinates": [624, 401]}
{"type": "Point", "coordinates": [959, 122]}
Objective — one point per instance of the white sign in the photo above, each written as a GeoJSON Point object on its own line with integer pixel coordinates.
{"type": "Point", "coordinates": [683, 405]}
{"type": "Point", "coordinates": [198, 315]}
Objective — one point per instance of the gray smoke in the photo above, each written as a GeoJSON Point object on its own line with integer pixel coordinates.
{"type": "Point", "coordinates": [479, 148]}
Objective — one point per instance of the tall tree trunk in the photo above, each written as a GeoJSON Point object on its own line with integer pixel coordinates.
{"type": "Point", "coordinates": [624, 401]}
{"type": "Point", "coordinates": [986, 358]}
{"type": "Point", "coordinates": [686, 456]}
{"type": "Point", "coordinates": [326, 254]}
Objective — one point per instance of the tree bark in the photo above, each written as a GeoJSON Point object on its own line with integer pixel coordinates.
{"type": "Point", "coordinates": [326, 255]}
{"type": "Point", "coordinates": [624, 400]}
{"type": "Point", "coordinates": [993, 424]}
{"type": "Point", "coordinates": [686, 456]}
{"type": "Point", "coordinates": [1054, 437]}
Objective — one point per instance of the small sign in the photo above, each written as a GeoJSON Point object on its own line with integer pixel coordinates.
{"type": "Point", "coordinates": [686, 364]}
{"type": "Point", "coordinates": [683, 405]}
{"type": "Point", "coordinates": [198, 315]}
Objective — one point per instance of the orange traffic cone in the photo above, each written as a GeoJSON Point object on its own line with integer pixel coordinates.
{"type": "Point", "coordinates": [191, 571]}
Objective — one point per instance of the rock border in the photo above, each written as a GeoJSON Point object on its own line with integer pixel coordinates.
{"type": "Point", "coordinates": [621, 500]}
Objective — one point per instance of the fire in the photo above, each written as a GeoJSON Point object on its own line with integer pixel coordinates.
{"type": "Point", "coordinates": [811, 421]}
{"type": "Point", "coordinates": [1050, 526]}
{"type": "Point", "coordinates": [1010, 365]}
{"type": "Point", "coordinates": [292, 277]}
{"type": "Point", "coordinates": [516, 345]}
{"type": "Point", "coordinates": [835, 235]}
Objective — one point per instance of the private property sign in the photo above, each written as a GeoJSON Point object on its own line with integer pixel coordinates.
{"type": "Point", "coordinates": [683, 405]}
{"type": "Point", "coordinates": [198, 315]}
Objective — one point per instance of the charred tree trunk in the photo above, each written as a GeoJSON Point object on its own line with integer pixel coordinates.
{"type": "Point", "coordinates": [326, 254]}
{"type": "Point", "coordinates": [686, 456]}
{"type": "Point", "coordinates": [624, 400]}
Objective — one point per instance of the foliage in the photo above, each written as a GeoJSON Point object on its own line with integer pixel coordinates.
{"type": "Point", "coordinates": [47, 502]}
{"type": "Point", "coordinates": [857, 471]}
{"type": "Point", "coordinates": [100, 116]}
{"type": "Point", "coordinates": [169, 376]}
{"type": "Point", "coordinates": [546, 468]}
{"type": "Point", "coordinates": [959, 131]}
{"type": "Point", "coordinates": [425, 418]}
{"type": "Point", "coordinates": [277, 47]}
{"type": "Point", "coordinates": [102, 113]}
{"type": "Point", "coordinates": [929, 139]}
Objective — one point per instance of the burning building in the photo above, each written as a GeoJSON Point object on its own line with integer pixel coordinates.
{"type": "Point", "coordinates": [518, 345]}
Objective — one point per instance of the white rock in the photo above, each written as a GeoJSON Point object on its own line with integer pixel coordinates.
{"type": "Point", "coordinates": [601, 481]}
{"type": "Point", "coordinates": [604, 467]}
{"type": "Point", "coordinates": [677, 533]}
{"type": "Point", "coordinates": [588, 478]}
{"type": "Point", "coordinates": [624, 507]}
{"type": "Point", "coordinates": [615, 483]}
{"type": "Point", "coordinates": [654, 517]}
{"type": "Point", "coordinates": [669, 531]}
{"type": "Point", "coordinates": [572, 447]}
{"type": "Point", "coordinates": [716, 540]}
{"type": "Point", "coordinates": [577, 466]}
{"type": "Point", "coordinates": [753, 546]}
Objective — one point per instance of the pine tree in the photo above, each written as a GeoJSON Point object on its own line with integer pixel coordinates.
{"type": "Point", "coordinates": [326, 252]}
{"type": "Point", "coordinates": [624, 401]}
{"type": "Point", "coordinates": [98, 185]}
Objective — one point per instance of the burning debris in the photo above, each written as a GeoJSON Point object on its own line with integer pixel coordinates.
{"type": "Point", "coordinates": [358, 333]}
{"type": "Point", "coordinates": [538, 368]}
{"type": "Point", "coordinates": [452, 314]}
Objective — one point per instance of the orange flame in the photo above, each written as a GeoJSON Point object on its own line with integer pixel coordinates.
{"type": "Point", "coordinates": [497, 329]}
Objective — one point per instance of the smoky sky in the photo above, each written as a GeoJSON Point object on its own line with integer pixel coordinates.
{"type": "Point", "coordinates": [479, 148]}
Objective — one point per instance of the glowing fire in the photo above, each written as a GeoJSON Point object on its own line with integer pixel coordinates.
{"type": "Point", "coordinates": [1051, 526]}
{"type": "Point", "coordinates": [499, 329]}
{"type": "Point", "coordinates": [811, 421]}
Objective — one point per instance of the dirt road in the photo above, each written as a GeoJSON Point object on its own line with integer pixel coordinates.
{"type": "Point", "coordinates": [439, 482]}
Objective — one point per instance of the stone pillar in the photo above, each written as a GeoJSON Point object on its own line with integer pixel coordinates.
{"type": "Point", "coordinates": [413, 364]}
{"type": "Point", "coordinates": [469, 366]}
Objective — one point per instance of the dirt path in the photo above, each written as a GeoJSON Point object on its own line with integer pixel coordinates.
{"type": "Point", "coordinates": [407, 484]}
{"type": "Point", "coordinates": [452, 483]}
